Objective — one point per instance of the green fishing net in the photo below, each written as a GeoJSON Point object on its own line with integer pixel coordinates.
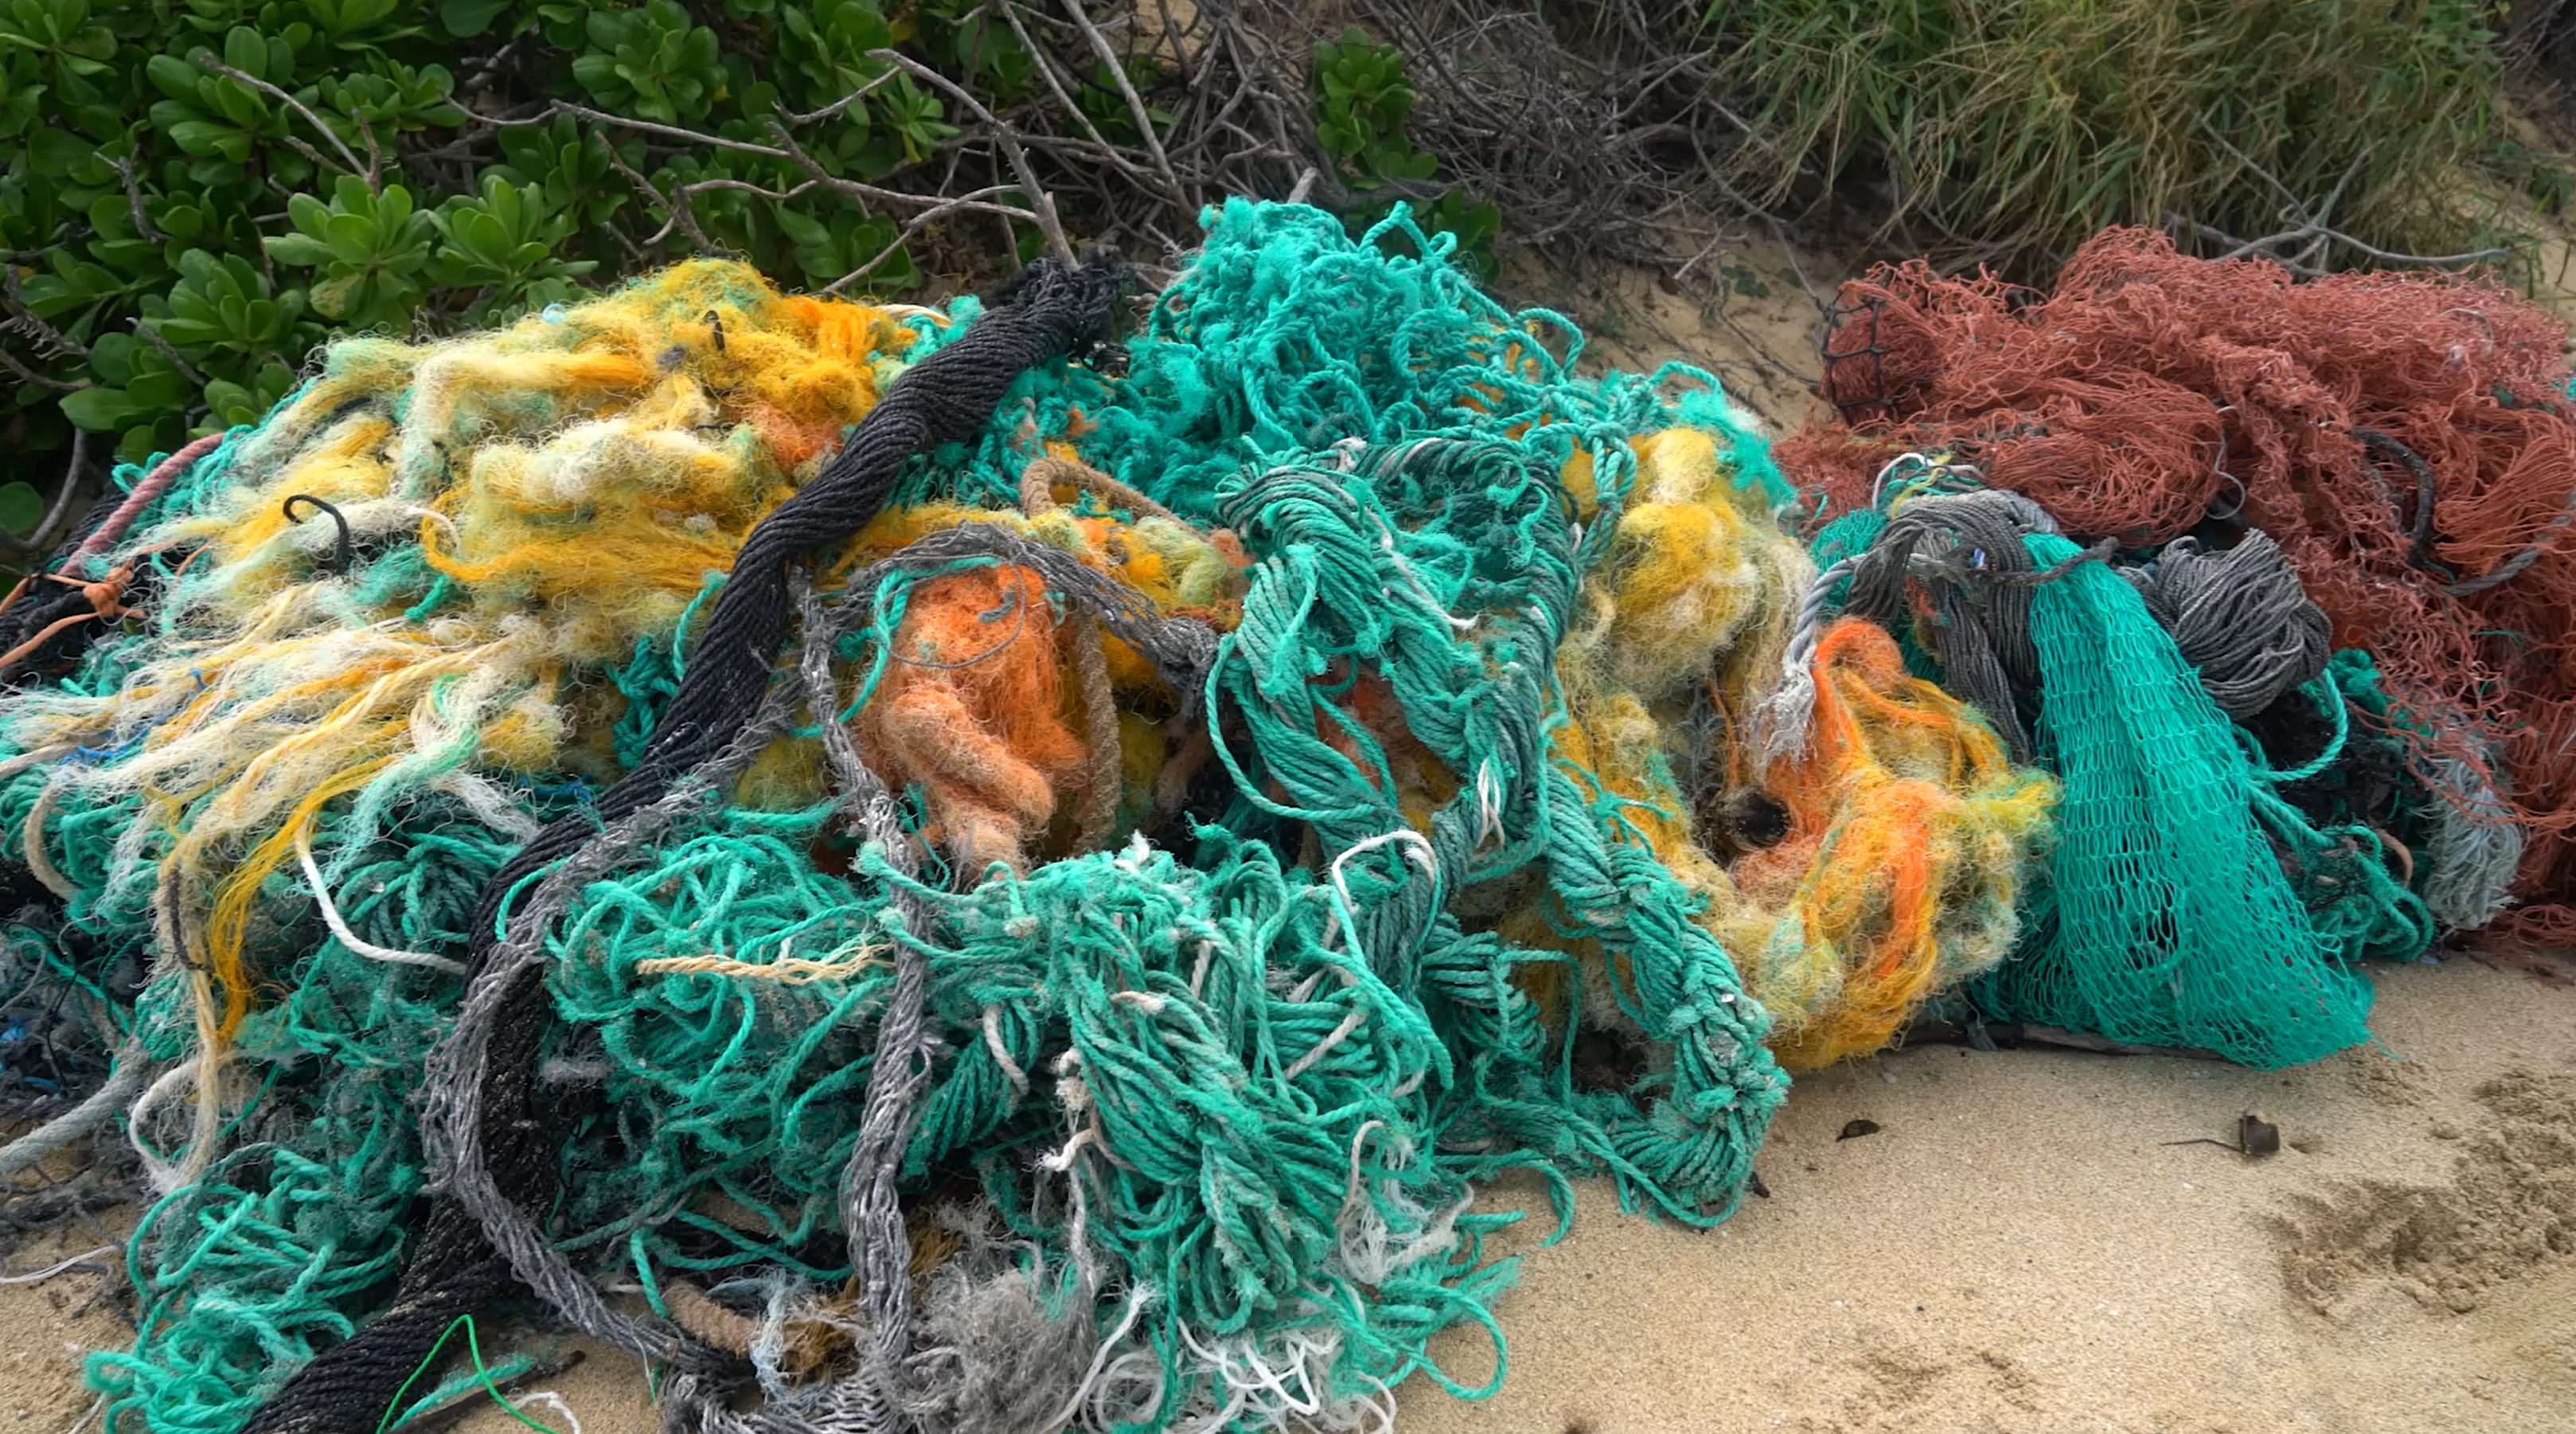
{"type": "Point", "coordinates": [1284, 335]}
{"type": "Point", "coordinates": [2165, 918]}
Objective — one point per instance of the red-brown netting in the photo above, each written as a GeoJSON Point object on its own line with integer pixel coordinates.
{"type": "Point", "coordinates": [2136, 399]}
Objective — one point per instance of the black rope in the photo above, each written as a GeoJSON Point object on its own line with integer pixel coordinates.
{"type": "Point", "coordinates": [2420, 548]}
{"type": "Point", "coordinates": [344, 553]}
{"type": "Point", "coordinates": [1046, 311]}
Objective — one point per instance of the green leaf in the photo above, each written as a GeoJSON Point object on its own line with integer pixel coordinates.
{"type": "Point", "coordinates": [332, 297]}
{"type": "Point", "coordinates": [802, 229]}
{"type": "Point", "coordinates": [21, 507]}
{"type": "Point", "coordinates": [211, 138]}
{"type": "Point", "coordinates": [651, 62]}
{"type": "Point", "coordinates": [99, 410]}
{"type": "Point", "coordinates": [239, 103]}
{"type": "Point", "coordinates": [162, 387]}
{"type": "Point", "coordinates": [349, 16]}
{"type": "Point", "coordinates": [97, 43]}
{"type": "Point", "coordinates": [227, 401]}
{"type": "Point", "coordinates": [137, 444]}
{"type": "Point", "coordinates": [55, 154]}
{"type": "Point", "coordinates": [174, 77]}
{"type": "Point", "coordinates": [352, 237]}
{"type": "Point", "coordinates": [247, 52]}
{"type": "Point", "coordinates": [183, 222]}
{"type": "Point", "coordinates": [111, 356]}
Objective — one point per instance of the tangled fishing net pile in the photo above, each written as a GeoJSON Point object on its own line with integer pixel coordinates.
{"type": "Point", "coordinates": [2405, 440]}
{"type": "Point", "coordinates": [2337, 507]}
{"type": "Point", "coordinates": [934, 869]}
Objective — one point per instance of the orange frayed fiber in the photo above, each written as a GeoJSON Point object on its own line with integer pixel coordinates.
{"type": "Point", "coordinates": [972, 710]}
{"type": "Point", "coordinates": [1908, 832]}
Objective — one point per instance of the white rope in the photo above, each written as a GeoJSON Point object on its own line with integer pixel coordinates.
{"type": "Point", "coordinates": [1386, 544]}
{"type": "Point", "coordinates": [37, 1277]}
{"type": "Point", "coordinates": [1781, 724]}
{"type": "Point", "coordinates": [1357, 1018]}
{"type": "Point", "coordinates": [1011, 1071]}
{"type": "Point", "coordinates": [553, 1401]}
{"type": "Point", "coordinates": [1419, 850]}
{"type": "Point", "coordinates": [59, 1134]}
{"type": "Point", "coordinates": [165, 1175]}
{"type": "Point", "coordinates": [1351, 1192]}
{"type": "Point", "coordinates": [24, 760]}
{"type": "Point", "coordinates": [351, 939]}
{"type": "Point", "coordinates": [485, 799]}
{"type": "Point", "coordinates": [1137, 1299]}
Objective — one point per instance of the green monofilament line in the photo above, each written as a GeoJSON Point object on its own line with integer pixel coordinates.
{"type": "Point", "coordinates": [483, 1376]}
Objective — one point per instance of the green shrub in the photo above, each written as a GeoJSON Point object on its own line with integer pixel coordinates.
{"type": "Point", "coordinates": [198, 192]}
{"type": "Point", "coordinates": [1363, 99]}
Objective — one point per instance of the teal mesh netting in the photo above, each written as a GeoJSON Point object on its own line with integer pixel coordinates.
{"type": "Point", "coordinates": [2165, 918]}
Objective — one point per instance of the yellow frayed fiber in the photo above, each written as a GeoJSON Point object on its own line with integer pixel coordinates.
{"type": "Point", "coordinates": [1697, 561]}
{"type": "Point", "coordinates": [530, 504]}
{"type": "Point", "coordinates": [1905, 831]}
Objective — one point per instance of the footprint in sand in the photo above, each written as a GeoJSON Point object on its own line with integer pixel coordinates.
{"type": "Point", "coordinates": [2506, 1210]}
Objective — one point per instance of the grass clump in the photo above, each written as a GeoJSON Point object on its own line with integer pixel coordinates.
{"type": "Point", "coordinates": [2012, 129]}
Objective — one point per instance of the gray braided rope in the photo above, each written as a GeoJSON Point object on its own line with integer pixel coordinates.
{"type": "Point", "coordinates": [2475, 849]}
{"type": "Point", "coordinates": [864, 1402]}
{"type": "Point", "coordinates": [871, 1209]}
{"type": "Point", "coordinates": [1784, 720]}
{"type": "Point", "coordinates": [1968, 548]}
{"type": "Point", "coordinates": [452, 1103]}
{"type": "Point", "coordinates": [2239, 617]}
{"type": "Point", "coordinates": [133, 1071]}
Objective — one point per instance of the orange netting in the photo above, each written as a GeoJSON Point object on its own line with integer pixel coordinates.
{"type": "Point", "coordinates": [2406, 438]}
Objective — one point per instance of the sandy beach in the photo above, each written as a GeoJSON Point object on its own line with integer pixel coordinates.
{"type": "Point", "coordinates": [2019, 1248]}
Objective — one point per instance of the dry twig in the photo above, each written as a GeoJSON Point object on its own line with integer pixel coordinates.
{"type": "Point", "coordinates": [365, 171]}
{"type": "Point", "coordinates": [2311, 228]}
